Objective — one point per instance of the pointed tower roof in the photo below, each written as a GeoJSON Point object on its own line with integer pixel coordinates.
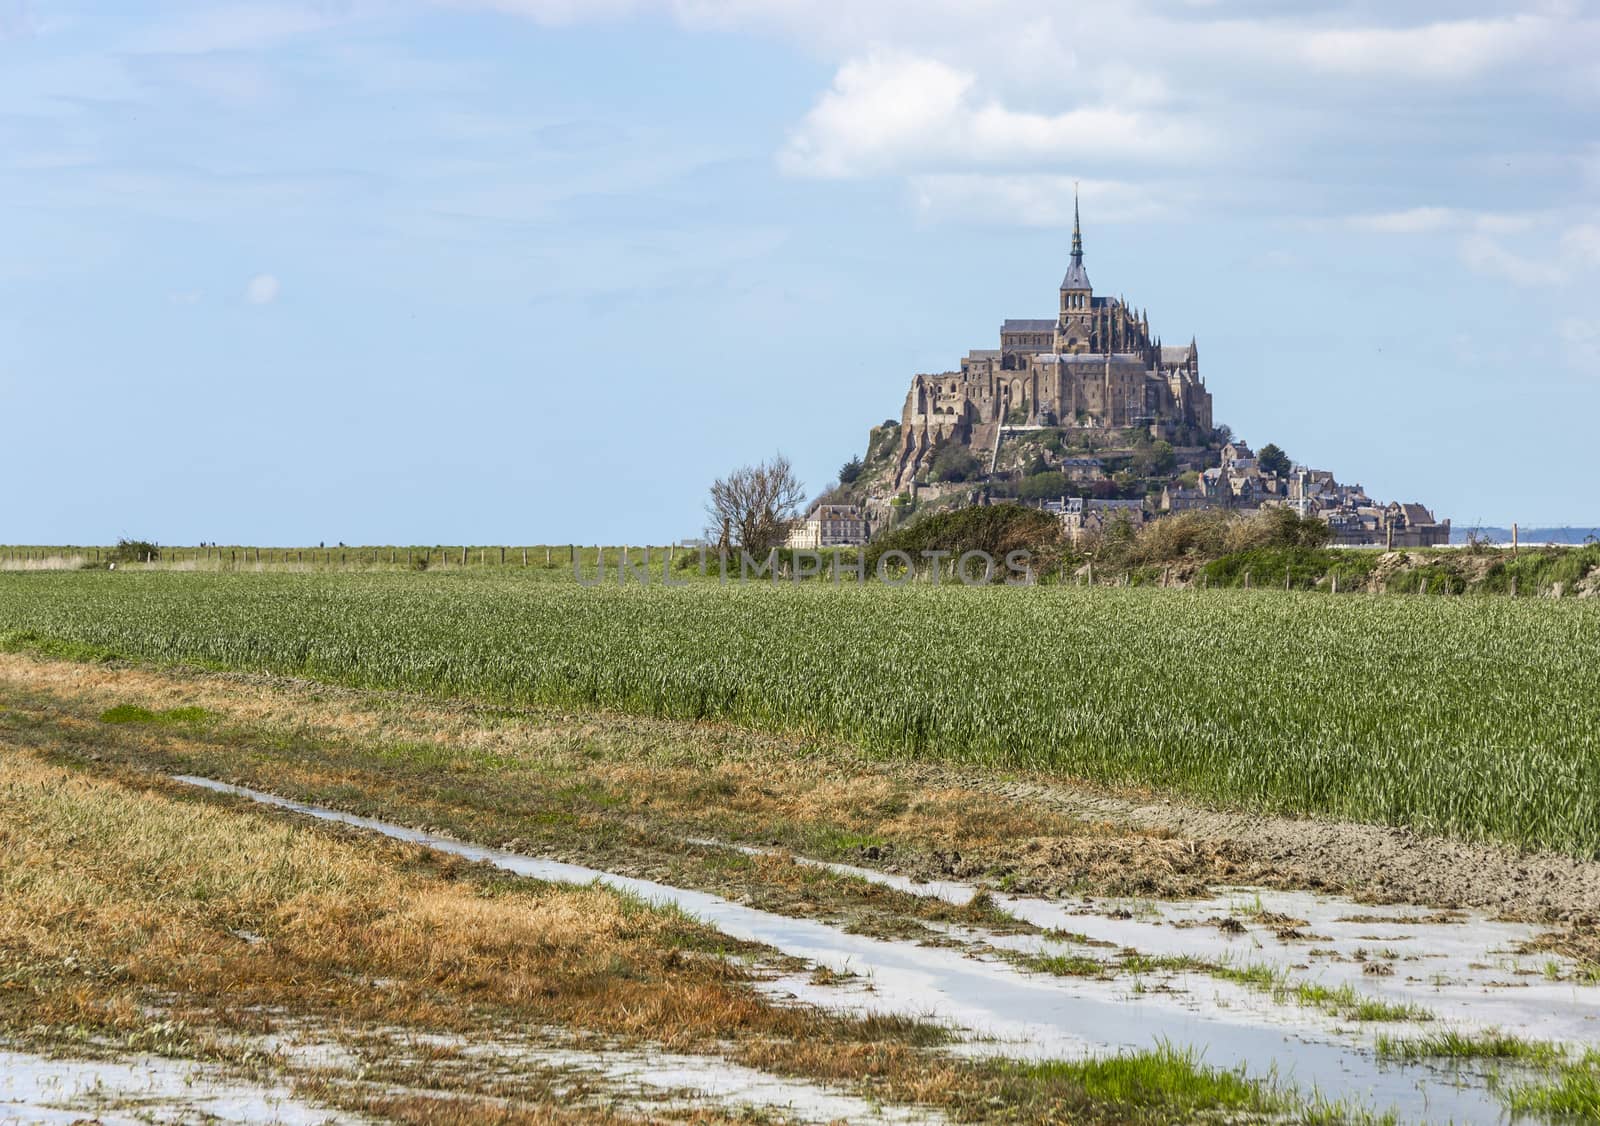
{"type": "Point", "coordinates": [1077, 277]}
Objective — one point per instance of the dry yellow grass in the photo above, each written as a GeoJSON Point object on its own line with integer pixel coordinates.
{"type": "Point", "coordinates": [135, 888]}
{"type": "Point", "coordinates": [663, 767]}
{"type": "Point", "coordinates": [127, 908]}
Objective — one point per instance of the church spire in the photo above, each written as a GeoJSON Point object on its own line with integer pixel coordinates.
{"type": "Point", "coordinates": [1077, 231]}
{"type": "Point", "coordinates": [1077, 279]}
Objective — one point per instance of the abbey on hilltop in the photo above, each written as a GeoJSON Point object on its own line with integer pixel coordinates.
{"type": "Point", "coordinates": [1089, 416]}
{"type": "Point", "coordinates": [1095, 366]}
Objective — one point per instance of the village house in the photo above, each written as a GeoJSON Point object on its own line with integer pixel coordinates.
{"type": "Point", "coordinates": [1083, 468]}
{"type": "Point", "coordinates": [830, 525]}
{"type": "Point", "coordinates": [1176, 498]}
{"type": "Point", "coordinates": [1082, 517]}
{"type": "Point", "coordinates": [1393, 525]}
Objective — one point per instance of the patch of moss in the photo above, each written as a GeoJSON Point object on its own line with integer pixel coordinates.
{"type": "Point", "coordinates": [172, 717]}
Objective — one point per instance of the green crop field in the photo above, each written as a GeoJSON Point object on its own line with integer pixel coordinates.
{"type": "Point", "coordinates": [1478, 717]}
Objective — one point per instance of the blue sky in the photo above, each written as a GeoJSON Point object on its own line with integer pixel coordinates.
{"type": "Point", "coordinates": [530, 270]}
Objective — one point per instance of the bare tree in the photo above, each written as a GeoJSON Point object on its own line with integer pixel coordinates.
{"type": "Point", "coordinates": [756, 504]}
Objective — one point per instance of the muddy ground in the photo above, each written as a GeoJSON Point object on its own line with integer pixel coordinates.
{"type": "Point", "coordinates": [1370, 862]}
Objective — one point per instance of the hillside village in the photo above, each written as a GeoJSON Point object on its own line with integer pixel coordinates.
{"type": "Point", "coordinates": [1090, 417]}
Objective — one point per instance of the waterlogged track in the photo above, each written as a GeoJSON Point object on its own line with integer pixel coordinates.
{"type": "Point", "coordinates": [63, 1092]}
{"type": "Point", "coordinates": [1040, 1015]}
{"type": "Point", "coordinates": [1456, 967]}
{"type": "Point", "coordinates": [1476, 718]}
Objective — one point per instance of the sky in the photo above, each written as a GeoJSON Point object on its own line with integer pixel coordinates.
{"type": "Point", "coordinates": [523, 271]}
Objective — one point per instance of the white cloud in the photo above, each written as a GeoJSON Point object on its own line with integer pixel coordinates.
{"type": "Point", "coordinates": [225, 78]}
{"type": "Point", "coordinates": [1276, 259]}
{"type": "Point", "coordinates": [16, 21]}
{"type": "Point", "coordinates": [1144, 41]}
{"type": "Point", "coordinates": [1552, 254]}
{"type": "Point", "coordinates": [262, 290]}
{"type": "Point", "coordinates": [1484, 255]}
{"type": "Point", "coordinates": [971, 105]}
{"type": "Point", "coordinates": [1448, 49]}
{"type": "Point", "coordinates": [561, 12]}
{"type": "Point", "coordinates": [1582, 340]}
{"type": "Point", "coordinates": [1581, 244]}
{"type": "Point", "coordinates": [1550, 248]}
{"type": "Point", "coordinates": [1589, 164]}
{"type": "Point", "coordinates": [893, 113]}
{"type": "Point", "coordinates": [1415, 221]}
{"type": "Point", "coordinates": [46, 160]}
{"type": "Point", "coordinates": [245, 27]}
{"type": "Point", "coordinates": [1011, 89]}
{"type": "Point", "coordinates": [1426, 220]}
{"type": "Point", "coordinates": [1505, 224]}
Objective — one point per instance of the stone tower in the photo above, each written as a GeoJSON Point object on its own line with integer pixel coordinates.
{"type": "Point", "coordinates": [1074, 324]}
{"type": "Point", "coordinates": [1092, 367]}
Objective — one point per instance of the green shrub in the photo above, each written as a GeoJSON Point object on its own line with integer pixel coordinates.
{"type": "Point", "coordinates": [133, 551]}
{"type": "Point", "coordinates": [1442, 577]}
{"type": "Point", "coordinates": [1305, 567]}
{"type": "Point", "coordinates": [1042, 486]}
{"type": "Point", "coordinates": [996, 529]}
{"type": "Point", "coordinates": [954, 464]}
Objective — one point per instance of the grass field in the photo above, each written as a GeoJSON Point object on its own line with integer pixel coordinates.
{"type": "Point", "coordinates": [1474, 717]}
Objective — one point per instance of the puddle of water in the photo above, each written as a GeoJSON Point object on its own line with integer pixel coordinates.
{"type": "Point", "coordinates": [647, 1081]}
{"type": "Point", "coordinates": [1464, 972]}
{"type": "Point", "coordinates": [1023, 1014]}
{"type": "Point", "coordinates": [147, 1089]}
{"type": "Point", "coordinates": [729, 1084]}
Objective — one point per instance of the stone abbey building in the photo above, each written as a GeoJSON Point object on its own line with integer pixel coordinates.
{"type": "Point", "coordinates": [1094, 366]}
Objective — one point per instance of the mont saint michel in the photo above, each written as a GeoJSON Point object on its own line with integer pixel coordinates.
{"type": "Point", "coordinates": [1091, 415]}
